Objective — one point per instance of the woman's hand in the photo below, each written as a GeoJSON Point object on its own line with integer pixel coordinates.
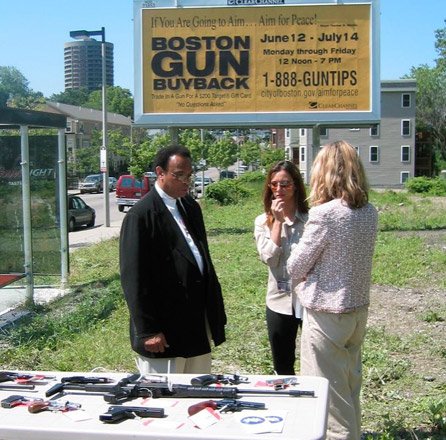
{"type": "Point", "coordinates": [278, 210]}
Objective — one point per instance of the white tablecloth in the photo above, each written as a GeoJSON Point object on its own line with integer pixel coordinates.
{"type": "Point", "coordinates": [305, 417]}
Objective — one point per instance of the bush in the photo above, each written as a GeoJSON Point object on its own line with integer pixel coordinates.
{"type": "Point", "coordinates": [227, 192]}
{"type": "Point", "coordinates": [425, 185]}
{"type": "Point", "coordinates": [252, 176]}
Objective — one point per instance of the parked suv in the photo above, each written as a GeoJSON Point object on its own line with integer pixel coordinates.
{"type": "Point", "coordinates": [92, 183]}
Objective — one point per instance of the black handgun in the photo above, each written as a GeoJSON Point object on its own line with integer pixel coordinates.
{"type": "Point", "coordinates": [116, 413]}
{"type": "Point", "coordinates": [209, 379]}
{"type": "Point", "coordinates": [16, 400]}
{"type": "Point", "coordinates": [230, 405]}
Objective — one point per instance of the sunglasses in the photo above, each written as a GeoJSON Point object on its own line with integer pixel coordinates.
{"type": "Point", "coordinates": [182, 178]}
{"type": "Point", "coordinates": [283, 184]}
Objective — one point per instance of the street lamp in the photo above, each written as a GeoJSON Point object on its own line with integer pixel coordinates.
{"type": "Point", "coordinates": [83, 35]}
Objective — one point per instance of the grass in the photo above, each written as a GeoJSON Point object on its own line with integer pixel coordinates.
{"type": "Point", "coordinates": [89, 327]}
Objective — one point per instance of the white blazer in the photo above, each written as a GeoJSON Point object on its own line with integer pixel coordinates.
{"type": "Point", "coordinates": [333, 259]}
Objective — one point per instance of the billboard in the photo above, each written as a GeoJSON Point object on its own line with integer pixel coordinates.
{"type": "Point", "coordinates": [240, 64]}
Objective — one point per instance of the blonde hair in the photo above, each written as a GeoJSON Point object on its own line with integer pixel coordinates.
{"type": "Point", "coordinates": [338, 173]}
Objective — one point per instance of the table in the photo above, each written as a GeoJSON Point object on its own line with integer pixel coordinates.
{"type": "Point", "coordinates": [305, 417]}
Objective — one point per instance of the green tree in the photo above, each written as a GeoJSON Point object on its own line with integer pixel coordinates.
{"type": "Point", "coordinates": [249, 152]}
{"type": "Point", "coordinates": [119, 100]}
{"type": "Point", "coordinates": [223, 152]}
{"type": "Point", "coordinates": [15, 91]}
{"type": "Point", "coordinates": [269, 156]}
{"type": "Point", "coordinates": [72, 96]}
{"type": "Point", "coordinates": [431, 96]}
{"type": "Point", "coordinates": [87, 161]}
{"type": "Point", "coordinates": [142, 157]}
{"type": "Point", "coordinates": [191, 138]}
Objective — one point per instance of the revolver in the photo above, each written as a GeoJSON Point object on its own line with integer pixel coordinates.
{"type": "Point", "coordinates": [225, 405]}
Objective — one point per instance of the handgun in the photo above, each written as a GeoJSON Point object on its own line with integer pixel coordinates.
{"type": "Point", "coordinates": [16, 400]}
{"type": "Point", "coordinates": [209, 379]}
{"type": "Point", "coordinates": [116, 413]}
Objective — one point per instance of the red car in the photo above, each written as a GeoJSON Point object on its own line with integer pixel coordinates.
{"type": "Point", "coordinates": [129, 190]}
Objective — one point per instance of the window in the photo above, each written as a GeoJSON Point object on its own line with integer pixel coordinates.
{"type": "Point", "coordinates": [302, 154]}
{"type": "Point", "coordinates": [302, 131]}
{"type": "Point", "coordinates": [287, 133]}
{"type": "Point", "coordinates": [404, 176]}
{"type": "Point", "coordinates": [405, 100]}
{"type": "Point", "coordinates": [323, 131]}
{"type": "Point", "coordinates": [374, 154]}
{"type": "Point", "coordinates": [405, 153]}
{"type": "Point", "coordinates": [357, 149]}
{"type": "Point", "coordinates": [374, 131]}
{"type": "Point", "coordinates": [405, 127]}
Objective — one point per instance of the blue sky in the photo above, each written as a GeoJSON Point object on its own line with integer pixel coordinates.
{"type": "Point", "coordinates": [33, 33]}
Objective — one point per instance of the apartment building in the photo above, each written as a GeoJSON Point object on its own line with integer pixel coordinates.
{"type": "Point", "coordinates": [387, 150]}
{"type": "Point", "coordinates": [83, 64]}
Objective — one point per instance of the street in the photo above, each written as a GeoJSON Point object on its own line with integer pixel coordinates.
{"type": "Point", "coordinates": [96, 201]}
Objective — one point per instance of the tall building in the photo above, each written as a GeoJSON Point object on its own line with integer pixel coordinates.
{"type": "Point", "coordinates": [83, 64]}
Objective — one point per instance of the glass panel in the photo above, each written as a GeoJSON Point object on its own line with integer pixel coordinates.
{"type": "Point", "coordinates": [43, 152]}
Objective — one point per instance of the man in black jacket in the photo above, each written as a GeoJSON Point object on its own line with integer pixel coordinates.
{"type": "Point", "coordinates": [169, 282]}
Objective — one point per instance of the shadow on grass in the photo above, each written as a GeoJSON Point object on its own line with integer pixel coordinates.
{"type": "Point", "coordinates": [213, 232]}
{"type": "Point", "coordinates": [73, 313]}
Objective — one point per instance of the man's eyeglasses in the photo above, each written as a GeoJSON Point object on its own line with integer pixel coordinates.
{"type": "Point", "coordinates": [182, 178]}
{"type": "Point", "coordinates": [283, 184]}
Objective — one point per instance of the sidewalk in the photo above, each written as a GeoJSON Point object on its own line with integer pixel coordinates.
{"type": "Point", "coordinates": [12, 298]}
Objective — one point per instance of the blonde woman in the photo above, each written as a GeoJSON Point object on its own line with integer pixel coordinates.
{"type": "Point", "coordinates": [333, 263]}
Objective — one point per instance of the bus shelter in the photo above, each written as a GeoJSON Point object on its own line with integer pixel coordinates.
{"type": "Point", "coordinates": [33, 197]}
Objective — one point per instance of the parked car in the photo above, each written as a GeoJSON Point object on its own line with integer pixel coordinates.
{"type": "Point", "coordinates": [129, 190]}
{"type": "Point", "coordinates": [152, 177]}
{"type": "Point", "coordinates": [79, 213]}
{"type": "Point", "coordinates": [92, 183]}
{"type": "Point", "coordinates": [198, 183]}
{"type": "Point", "coordinates": [225, 174]}
{"type": "Point", "coordinates": [112, 183]}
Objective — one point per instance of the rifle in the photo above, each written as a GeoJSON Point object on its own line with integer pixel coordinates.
{"type": "Point", "coordinates": [130, 388]}
{"type": "Point", "coordinates": [225, 405]}
{"type": "Point", "coordinates": [84, 379]}
{"type": "Point", "coordinates": [119, 412]}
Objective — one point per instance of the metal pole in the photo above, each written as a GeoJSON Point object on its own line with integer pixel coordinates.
{"type": "Point", "coordinates": [173, 131]}
{"type": "Point", "coordinates": [27, 225]}
{"type": "Point", "coordinates": [106, 184]}
{"type": "Point", "coordinates": [62, 181]}
{"type": "Point", "coordinates": [202, 162]}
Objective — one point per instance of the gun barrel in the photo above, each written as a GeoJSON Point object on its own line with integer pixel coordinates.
{"type": "Point", "coordinates": [292, 393]}
{"type": "Point", "coordinates": [16, 387]}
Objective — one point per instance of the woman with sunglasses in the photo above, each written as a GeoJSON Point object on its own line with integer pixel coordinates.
{"type": "Point", "coordinates": [333, 260]}
{"type": "Point", "coordinates": [276, 231]}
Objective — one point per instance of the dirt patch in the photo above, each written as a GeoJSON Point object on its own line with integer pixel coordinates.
{"type": "Point", "coordinates": [414, 314]}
